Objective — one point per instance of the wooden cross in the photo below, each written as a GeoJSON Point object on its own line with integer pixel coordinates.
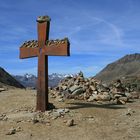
{"type": "Point", "coordinates": [44, 48]}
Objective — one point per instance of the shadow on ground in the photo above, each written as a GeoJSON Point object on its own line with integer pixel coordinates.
{"type": "Point", "coordinates": [93, 105]}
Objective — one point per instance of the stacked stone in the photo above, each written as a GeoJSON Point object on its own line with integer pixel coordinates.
{"type": "Point", "coordinates": [90, 89]}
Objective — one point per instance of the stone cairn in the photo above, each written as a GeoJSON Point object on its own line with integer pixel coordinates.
{"type": "Point", "coordinates": [91, 89]}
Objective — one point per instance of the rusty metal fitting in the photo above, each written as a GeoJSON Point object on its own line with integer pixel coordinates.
{"type": "Point", "coordinates": [42, 19]}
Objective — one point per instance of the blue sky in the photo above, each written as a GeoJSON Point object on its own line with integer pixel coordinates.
{"type": "Point", "coordinates": [100, 32]}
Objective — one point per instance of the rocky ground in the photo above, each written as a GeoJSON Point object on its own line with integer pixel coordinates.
{"type": "Point", "coordinates": [73, 119]}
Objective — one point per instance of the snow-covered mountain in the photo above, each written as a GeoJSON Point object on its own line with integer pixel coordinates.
{"type": "Point", "coordinates": [30, 80]}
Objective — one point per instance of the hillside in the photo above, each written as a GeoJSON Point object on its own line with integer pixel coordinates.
{"type": "Point", "coordinates": [126, 68]}
{"type": "Point", "coordinates": [7, 80]}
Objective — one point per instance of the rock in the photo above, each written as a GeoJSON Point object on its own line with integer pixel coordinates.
{"type": "Point", "coordinates": [56, 114]}
{"type": "Point", "coordinates": [64, 87]}
{"type": "Point", "coordinates": [117, 96]}
{"type": "Point", "coordinates": [80, 74]}
{"type": "Point", "coordinates": [48, 124]}
{"type": "Point", "coordinates": [58, 93]}
{"type": "Point", "coordinates": [5, 119]}
{"type": "Point", "coordinates": [128, 114]}
{"type": "Point", "coordinates": [121, 102]}
{"type": "Point", "coordinates": [65, 93]}
{"type": "Point", "coordinates": [125, 99]}
{"type": "Point", "coordinates": [2, 116]}
{"type": "Point", "coordinates": [128, 95]}
{"type": "Point", "coordinates": [135, 95]}
{"type": "Point", "coordinates": [35, 120]}
{"type": "Point", "coordinates": [2, 89]}
{"type": "Point", "coordinates": [51, 106]}
{"type": "Point", "coordinates": [59, 113]}
{"type": "Point", "coordinates": [18, 129]}
{"type": "Point", "coordinates": [92, 98]}
{"type": "Point", "coordinates": [95, 92]}
{"type": "Point", "coordinates": [105, 97]}
{"type": "Point", "coordinates": [86, 96]}
{"type": "Point", "coordinates": [101, 88]}
{"type": "Point", "coordinates": [66, 110]}
{"type": "Point", "coordinates": [73, 88]}
{"type": "Point", "coordinates": [47, 113]}
{"type": "Point", "coordinates": [54, 117]}
{"type": "Point", "coordinates": [11, 131]}
{"type": "Point", "coordinates": [70, 122]}
{"type": "Point", "coordinates": [78, 91]}
{"type": "Point", "coordinates": [100, 102]}
{"type": "Point", "coordinates": [114, 101]}
{"type": "Point", "coordinates": [90, 116]}
{"type": "Point", "coordinates": [65, 121]}
{"type": "Point", "coordinates": [99, 97]}
{"type": "Point", "coordinates": [61, 100]}
{"type": "Point", "coordinates": [92, 88]}
{"type": "Point", "coordinates": [91, 119]}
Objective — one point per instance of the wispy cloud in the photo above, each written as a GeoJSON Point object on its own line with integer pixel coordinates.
{"type": "Point", "coordinates": [99, 31]}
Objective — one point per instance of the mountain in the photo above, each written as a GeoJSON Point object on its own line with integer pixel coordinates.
{"type": "Point", "coordinates": [7, 80]}
{"type": "Point", "coordinates": [30, 80]}
{"type": "Point", "coordinates": [55, 78]}
{"type": "Point", "coordinates": [126, 68]}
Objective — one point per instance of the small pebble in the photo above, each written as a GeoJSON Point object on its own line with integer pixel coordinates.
{"type": "Point", "coordinates": [11, 131]}
{"type": "Point", "coordinates": [70, 123]}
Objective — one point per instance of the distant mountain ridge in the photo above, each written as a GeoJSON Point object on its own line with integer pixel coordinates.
{"type": "Point", "coordinates": [126, 67]}
{"type": "Point", "coordinates": [30, 80]}
{"type": "Point", "coordinates": [7, 80]}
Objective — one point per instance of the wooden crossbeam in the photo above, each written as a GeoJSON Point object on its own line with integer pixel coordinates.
{"type": "Point", "coordinates": [56, 48]}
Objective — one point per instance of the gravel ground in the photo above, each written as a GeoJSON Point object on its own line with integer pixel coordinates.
{"type": "Point", "coordinates": [92, 121]}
